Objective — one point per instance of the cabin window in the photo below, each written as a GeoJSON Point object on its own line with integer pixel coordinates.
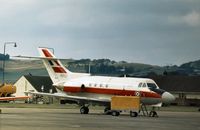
{"type": "Point", "coordinates": [106, 85]}
{"type": "Point", "coordinates": [144, 85]}
{"type": "Point", "coordinates": [95, 85]}
{"type": "Point", "coordinates": [101, 85]}
{"type": "Point", "coordinates": [90, 84]}
{"type": "Point", "coordinates": [82, 86]}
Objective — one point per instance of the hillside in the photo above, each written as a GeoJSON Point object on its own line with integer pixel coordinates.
{"type": "Point", "coordinates": [16, 68]}
{"type": "Point", "coordinates": [193, 66]}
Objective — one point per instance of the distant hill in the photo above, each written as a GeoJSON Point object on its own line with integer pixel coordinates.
{"type": "Point", "coordinates": [193, 65]}
{"type": "Point", "coordinates": [109, 67]}
{"type": "Point", "coordinates": [16, 68]}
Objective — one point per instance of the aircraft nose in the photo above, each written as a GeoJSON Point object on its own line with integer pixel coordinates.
{"type": "Point", "coordinates": [167, 97]}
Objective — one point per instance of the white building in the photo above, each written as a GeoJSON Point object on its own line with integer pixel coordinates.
{"type": "Point", "coordinates": [33, 83]}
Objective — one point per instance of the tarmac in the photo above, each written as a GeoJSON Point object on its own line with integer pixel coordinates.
{"type": "Point", "coordinates": [71, 119]}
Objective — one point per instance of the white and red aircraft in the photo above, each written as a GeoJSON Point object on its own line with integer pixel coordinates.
{"type": "Point", "coordinates": [86, 89]}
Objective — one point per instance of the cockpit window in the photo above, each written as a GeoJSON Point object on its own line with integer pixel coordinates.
{"type": "Point", "coordinates": [152, 85]}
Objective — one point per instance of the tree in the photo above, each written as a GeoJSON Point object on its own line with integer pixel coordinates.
{"type": "Point", "coordinates": [4, 57]}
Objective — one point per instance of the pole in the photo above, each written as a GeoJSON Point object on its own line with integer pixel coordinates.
{"type": "Point", "coordinates": [4, 51]}
{"type": "Point", "coordinates": [89, 69]}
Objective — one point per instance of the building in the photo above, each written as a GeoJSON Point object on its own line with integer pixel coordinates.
{"type": "Point", "coordinates": [34, 84]}
{"type": "Point", "coordinates": [186, 89]}
{"type": "Point", "coordinates": [29, 83]}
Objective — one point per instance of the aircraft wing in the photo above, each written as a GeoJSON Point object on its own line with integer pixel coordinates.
{"type": "Point", "coordinates": [13, 98]}
{"type": "Point", "coordinates": [77, 99]}
{"type": "Point", "coordinates": [157, 105]}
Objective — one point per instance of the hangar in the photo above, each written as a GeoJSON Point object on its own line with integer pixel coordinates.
{"type": "Point", "coordinates": [186, 89]}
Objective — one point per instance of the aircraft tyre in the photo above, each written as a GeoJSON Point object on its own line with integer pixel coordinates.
{"type": "Point", "coordinates": [133, 114]}
{"type": "Point", "coordinates": [84, 110]}
{"type": "Point", "coordinates": [115, 113]}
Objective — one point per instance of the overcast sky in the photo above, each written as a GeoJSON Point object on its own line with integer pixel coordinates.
{"type": "Point", "coordinates": [158, 32]}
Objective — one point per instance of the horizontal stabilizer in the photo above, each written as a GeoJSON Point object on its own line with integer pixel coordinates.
{"type": "Point", "coordinates": [41, 58]}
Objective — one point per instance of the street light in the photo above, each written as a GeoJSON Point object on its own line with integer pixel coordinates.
{"type": "Point", "coordinates": [6, 43]}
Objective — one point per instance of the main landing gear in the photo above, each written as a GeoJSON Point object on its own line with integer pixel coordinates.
{"type": "Point", "coordinates": [84, 110]}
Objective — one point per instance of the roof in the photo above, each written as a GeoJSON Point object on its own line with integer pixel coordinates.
{"type": "Point", "coordinates": [38, 81]}
{"type": "Point", "coordinates": [178, 83]}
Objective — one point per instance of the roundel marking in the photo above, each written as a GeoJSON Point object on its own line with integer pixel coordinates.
{"type": "Point", "coordinates": [137, 93]}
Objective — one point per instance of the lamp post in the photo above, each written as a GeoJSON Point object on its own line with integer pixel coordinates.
{"type": "Point", "coordinates": [4, 51]}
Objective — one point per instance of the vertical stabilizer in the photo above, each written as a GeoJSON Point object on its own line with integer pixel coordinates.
{"type": "Point", "coordinates": [57, 72]}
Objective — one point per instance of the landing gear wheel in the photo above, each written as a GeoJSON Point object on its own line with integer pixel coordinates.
{"type": "Point", "coordinates": [153, 114]}
{"type": "Point", "coordinates": [133, 114]}
{"type": "Point", "coordinates": [115, 113]}
{"type": "Point", "coordinates": [84, 110]}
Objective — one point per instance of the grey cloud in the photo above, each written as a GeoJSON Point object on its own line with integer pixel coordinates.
{"type": "Point", "coordinates": [155, 32]}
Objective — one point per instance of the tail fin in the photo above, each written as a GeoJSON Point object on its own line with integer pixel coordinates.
{"type": "Point", "coordinates": [57, 71]}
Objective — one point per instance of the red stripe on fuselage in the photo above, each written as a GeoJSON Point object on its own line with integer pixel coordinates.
{"type": "Point", "coordinates": [110, 91]}
{"type": "Point", "coordinates": [46, 53]}
{"type": "Point", "coordinates": [59, 70]}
